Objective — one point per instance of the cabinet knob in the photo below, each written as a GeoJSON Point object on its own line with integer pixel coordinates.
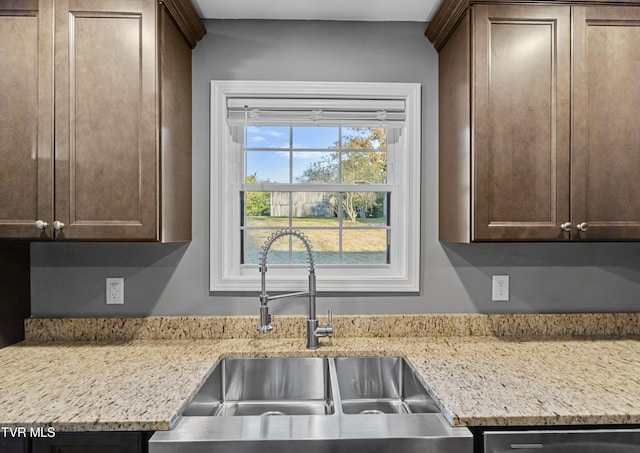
{"type": "Point", "coordinates": [41, 225]}
{"type": "Point", "coordinates": [584, 226]}
{"type": "Point", "coordinates": [57, 225]}
{"type": "Point", "coordinates": [566, 226]}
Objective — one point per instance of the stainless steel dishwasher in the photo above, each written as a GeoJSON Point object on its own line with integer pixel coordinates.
{"type": "Point", "coordinates": [563, 441]}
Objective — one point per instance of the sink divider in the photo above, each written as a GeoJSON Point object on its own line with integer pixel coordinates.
{"type": "Point", "coordinates": [335, 388]}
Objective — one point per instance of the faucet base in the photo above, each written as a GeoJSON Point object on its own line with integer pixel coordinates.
{"type": "Point", "coordinates": [265, 319]}
{"type": "Point", "coordinates": [314, 332]}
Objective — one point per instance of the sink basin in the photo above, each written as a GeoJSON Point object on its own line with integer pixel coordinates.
{"type": "Point", "coordinates": [268, 387]}
{"type": "Point", "coordinates": [381, 385]}
{"type": "Point", "coordinates": [314, 405]}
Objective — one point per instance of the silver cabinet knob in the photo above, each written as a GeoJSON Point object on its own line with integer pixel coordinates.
{"type": "Point", "coordinates": [57, 225]}
{"type": "Point", "coordinates": [566, 226]}
{"type": "Point", "coordinates": [41, 225]}
{"type": "Point", "coordinates": [584, 226]}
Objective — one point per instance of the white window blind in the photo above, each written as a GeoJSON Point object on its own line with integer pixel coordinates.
{"type": "Point", "coordinates": [307, 111]}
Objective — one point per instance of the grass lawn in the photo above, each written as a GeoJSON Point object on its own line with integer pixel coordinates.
{"type": "Point", "coordinates": [359, 246]}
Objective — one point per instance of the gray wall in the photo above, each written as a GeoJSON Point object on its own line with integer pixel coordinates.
{"type": "Point", "coordinates": [68, 279]}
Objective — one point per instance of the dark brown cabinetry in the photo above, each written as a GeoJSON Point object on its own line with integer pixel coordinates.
{"type": "Point", "coordinates": [96, 119]}
{"type": "Point", "coordinates": [14, 294]}
{"type": "Point", "coordinates": [13, 445]}
{"type": "Point", "coordinates": [605, 136]}
{"type": "Point", "coordinates": [93, 442]}
{"type": "Point", "coordinates": [90, 443]}
{"type": "Point", "coordinates": [537, 137]}
{"type": "Point", "coordinates": [26, 117]}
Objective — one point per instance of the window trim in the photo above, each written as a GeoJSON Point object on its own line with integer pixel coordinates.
{"type": "Point", "coordinates": [225, 159]}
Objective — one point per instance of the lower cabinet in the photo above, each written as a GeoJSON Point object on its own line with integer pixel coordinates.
{"type": "Point", "coordinates": [13, 445]}
{"type": "Point", "coordinates": [98, 442]}
{"type": "Point", "coordinates": [89, 443]}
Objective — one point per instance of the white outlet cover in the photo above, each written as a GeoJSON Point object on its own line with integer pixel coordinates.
{"type": "Point", "coordinates": [114, 293]}
{"type": "Point", "coordinates": [500, 288]}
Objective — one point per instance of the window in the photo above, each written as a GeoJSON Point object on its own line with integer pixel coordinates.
{"type": "Point", "coordinates": [339, 161]}
{"type": "Point", "coordinates": [330, 181]}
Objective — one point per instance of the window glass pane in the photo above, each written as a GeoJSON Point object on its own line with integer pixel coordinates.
{"type": "Point", "coordinates": [364, 137]}
{"type": "Point", "coordinates": [252, 243]}
{"type": "Point", "coordinates": [323, 222]}
{"type": "Point", "coordinates": [315, 167]}
{"type": "Point", "coordinates": [363, 208]}
{"type": "Point", "coordinates": [260, 210]}
{"type": "Point", "coordinates": [314, 209]}
{"type": "Point", "coordinates": [279, 209]}
{"type": "Point", "coordinates": [325, 244]}
{"type": "Point", "coordinates": [364, 167]}
{"type": "Point", "coordinates": [268, 137]}
{"type": "Point", "coordinates": [257, 205]}
{"type": "Point", "coordinates": [267, 166]}
{"type": "Point", "coordinates": [364, 246]}
{"type": "Point", "coordinates": [315, 137]}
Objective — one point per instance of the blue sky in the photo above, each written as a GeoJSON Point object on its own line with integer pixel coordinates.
{"type": "Point", "coordinates": [269, 149]}
{"type": "Point", "coordinates": [273, 161]}
{"type": "Point", "coordinates": [269, 137]}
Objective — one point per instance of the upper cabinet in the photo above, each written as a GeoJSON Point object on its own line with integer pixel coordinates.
{"type": "Point", "coordinates": [95, 119]}
{"type": "Point", "coordinates": [537, 109]}
{"type": "Point", "coordinates": [605, 135]}
{"type": "Point", "coordinates": [26, 117]}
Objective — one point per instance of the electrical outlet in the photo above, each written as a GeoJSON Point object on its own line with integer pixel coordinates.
{"type": "Point", "coordinates": [500, 288]}
{"type": "Point", "coordinates": [115, 290]}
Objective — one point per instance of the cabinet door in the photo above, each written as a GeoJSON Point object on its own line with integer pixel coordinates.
{"type": "Point", "coordinates": [105, 111]}
{"type": "Point", "coordinates": [605, 154]}
{"type": "Point", "coordinates": [26, 117]}
{"type": "Point", "coordinates": [89, 443]}
{"type": "Point", "coordinates": [520, 122]}
{"type": "Point", "coordinates": [13, 445]}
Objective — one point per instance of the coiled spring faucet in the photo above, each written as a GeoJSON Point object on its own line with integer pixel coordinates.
{"type": "Point", "coordinates": [314, 331]}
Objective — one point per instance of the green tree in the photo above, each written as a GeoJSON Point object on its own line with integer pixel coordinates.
{"type": "Point", "coordinates": [258, 203]}
{"type": "Point", "coordinates": [355, 167]}
{"type": "Point", "coordinates": [325, 171]}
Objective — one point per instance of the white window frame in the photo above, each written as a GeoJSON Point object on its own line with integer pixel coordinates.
{"type": "Point", "coordinates": [226, 272]}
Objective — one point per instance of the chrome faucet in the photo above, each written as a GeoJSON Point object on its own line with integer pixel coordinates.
{"type": "Point", "coordinates": [314, 331]}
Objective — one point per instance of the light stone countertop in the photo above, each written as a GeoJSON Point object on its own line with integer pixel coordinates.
{"type": "Point", "coordinates": [480, 380]}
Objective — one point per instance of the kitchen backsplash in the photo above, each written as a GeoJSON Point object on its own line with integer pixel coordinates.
{"type": "Point", "coordinates": [512, 326]}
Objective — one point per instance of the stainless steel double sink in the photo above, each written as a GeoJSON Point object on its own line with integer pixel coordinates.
{"type": "Point", "coordinates": [313, 404]}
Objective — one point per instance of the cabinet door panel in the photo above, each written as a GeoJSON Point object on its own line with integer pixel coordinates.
{"type": "Point", "coordinates": [521, 127]}
{"type": "Point", "coordinates": [175, 122]}
{"type": "Point", "coordinates": [13, 445]}
{"type": "Point", "coordinates": [105, 119]}
{"type": "Point", "coordinates": [454, 159]}
{"type": "Point", "coordinates": [25, 117]}
{"type": "Point", "coordinates": [605, 133]}
{"type": "Point", "coordinates": [106, 442]}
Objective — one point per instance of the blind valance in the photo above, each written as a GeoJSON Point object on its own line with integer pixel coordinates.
{"type": "Point", "coordinates": [306, 111]}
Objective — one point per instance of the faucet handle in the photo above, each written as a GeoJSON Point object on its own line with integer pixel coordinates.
{"type": "Point", "coordinates": [325, 331]}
